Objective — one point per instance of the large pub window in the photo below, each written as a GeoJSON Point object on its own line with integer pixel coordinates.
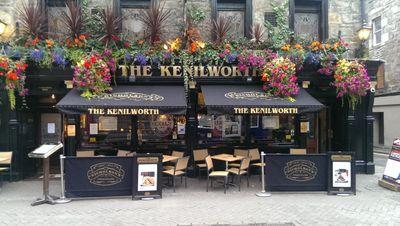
{"type": "Point", "coordinates": [129, 11]}
{"type": "Point", "coordinates": [309, 19]}
{"type": "Point", "coordinates": [54, 24]}
{"type": "Point", "coordinates": [238, 12]}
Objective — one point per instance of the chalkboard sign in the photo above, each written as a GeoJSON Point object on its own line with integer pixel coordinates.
{"type": "Point", "coordinates": [147, 176]}
{"type": "Point", "coordinates": [342, 175]}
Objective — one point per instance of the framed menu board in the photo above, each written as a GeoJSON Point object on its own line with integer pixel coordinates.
{"type": "Point", "coordinates": [341, 173]}
{"type": "Point", "coordinates": [146, 176]}
{"type": "Point", "coordinates": [107, 123]}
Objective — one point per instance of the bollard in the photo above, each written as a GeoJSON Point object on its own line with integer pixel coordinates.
{"type": "Point", "coordinates": [62, 199]}
{"type": "Point", "coordinates": [263, 193]}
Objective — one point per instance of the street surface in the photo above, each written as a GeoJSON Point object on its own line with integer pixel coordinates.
{"type": "Point", "coordinates": [372, 205]}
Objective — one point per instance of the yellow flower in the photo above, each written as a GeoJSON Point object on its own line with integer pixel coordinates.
{"type": "Point", "coordinates": [286, 47]}
{"type": "Point", "coordinates": [201, 44]}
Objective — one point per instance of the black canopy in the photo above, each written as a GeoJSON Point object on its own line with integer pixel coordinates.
{"type": "Point", "coordinates": [128, 100]}
{"type": "Point", "coordinates": [232, 99]}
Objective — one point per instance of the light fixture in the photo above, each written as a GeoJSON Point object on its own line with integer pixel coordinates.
{"type": "Point", "coordinates": [3, 27]}
{"type": "Point", "coordinates": [53, 96]}
{"type": "Point", "coordinates": [364, 32]}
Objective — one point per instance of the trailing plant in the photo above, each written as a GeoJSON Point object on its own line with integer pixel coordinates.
{"type": "Point", "coordinates": [12, 78]}
{"type": "Point", "coordinates": [110, 23]}
{"type": "Point", "coordinates": [32, 19]}
{"type": "Point", "coordinates": [280, 79]}
{"type": "Point", "coordinates": [280, 34]}
{"type": "Point", "coordinates": [72, 19]}
{"type": "Point", "coordinates": [351, 81]}
{"type": "Point", "coordinates": [154, 19]}
{"type": "Point", "coordinates": [222, 27]}
{"type": "Point", "coordinates": [92, 76]}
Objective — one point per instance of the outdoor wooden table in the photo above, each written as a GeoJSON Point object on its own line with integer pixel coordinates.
{"type": "Point", "coordinates": [168, 158]}
{"type": "Point", "coordinates": [227, 158]}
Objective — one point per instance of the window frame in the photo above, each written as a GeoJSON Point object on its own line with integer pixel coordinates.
{"type": "Point", "coordinates": [375, 31]}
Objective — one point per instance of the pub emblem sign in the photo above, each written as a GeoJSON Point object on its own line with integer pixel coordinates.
{"type": "Point", "coordinates": [300, 170]}
{"type": "Point", "coordinates": [131, 96]}
{"type": "Point", "coordinates": [105, 174]}
{"type": "Point", "coordinates": [252, 95]}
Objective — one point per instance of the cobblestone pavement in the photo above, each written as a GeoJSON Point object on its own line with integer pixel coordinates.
{"type": "Point", "coordinates": [372, 205]}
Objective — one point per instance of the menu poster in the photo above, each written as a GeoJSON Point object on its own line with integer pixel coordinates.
{"type": "Point", "coordinates": [71, 130]}
{"type": "Point", "coordinates": [107, 123]}
{"type": "Point", "coordinates": [392, 169]}
{"type": "Point", "coordinates": [51, 128]}
{"type": "Point", "coordinates": [270, 122]}
{"type": "Point", "coordinates": [304, 127]}
{"type": "Point", "coordinates": [341, 174]}
{"type": "Point", "coordinates": [181, 128]}
{"type": "Point", "coordinates": [94, 129]}
{"type": "Point", "coordinates": [147, 177]}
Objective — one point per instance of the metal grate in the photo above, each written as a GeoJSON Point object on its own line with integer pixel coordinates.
{"type": "Point", "coordinates": [271, 18]}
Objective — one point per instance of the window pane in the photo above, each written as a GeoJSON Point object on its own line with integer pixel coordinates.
{"type": "Point", "coordinates": [161, 128]}
{"type": "Point", "coordinates": [306, 25]}
{"type": "Point", "coordinates": [273, 128]}
{"type": "Point", "coordinates": [215, 128]}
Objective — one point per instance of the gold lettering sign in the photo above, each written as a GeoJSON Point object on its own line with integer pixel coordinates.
{"type": "Point", "coordinates": [130, 96]}
{"type": "Point", "coordinates": [176, 71]}
{"type": "Point", "coordinates": [105, 174]}
{"type": "Point", "coordinates": [147, 160]}
{"type": "Point", "coordinates": [267, 110]}
{"type": "Point", "coordinates": [341, 157]}
{"type": "Point", "coordinates": [123, 111]}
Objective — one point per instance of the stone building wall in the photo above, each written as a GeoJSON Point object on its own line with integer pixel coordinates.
{"type": "Point", "coordinates": [389, 49]}
{"type": "Point", "coordinates": [343, 15]}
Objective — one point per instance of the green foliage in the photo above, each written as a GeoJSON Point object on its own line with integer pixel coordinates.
{"type": "Point", "coordinates": [281, 34]}
{"type": "Point", "coordinates": [75, 55]}
{"type": "Point", "coordinates": [11, 98]}
{"type": "Point", "coordinates": [196, 15]}
{"type": "Point", "coordinates": [92, 22]}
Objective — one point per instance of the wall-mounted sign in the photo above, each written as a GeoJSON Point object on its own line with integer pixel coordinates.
{"type": "Point", "coordinates": [71, 131]}
{"type": "Point", "coordinates": [270, 122]}
{"type": "Point", "coordinates": [123, 111]}
{"type": "Point", "coordinates": [304, 127]}
{"type": "Point", "coordinates": [342, 177]}
{"type": "Point", "coordinates": [94, 129]}
{"type": "Point", "coordinates": [265, 110]}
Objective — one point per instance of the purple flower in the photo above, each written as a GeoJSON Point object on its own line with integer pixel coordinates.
{"type": "Point", "coordinates": [128, 57]}
{"type": "Point", "coordinates": [59, 59]}
{"type": "Point", "coordinates": [231, 58]}
{"type": "Point", "coordinates": [167, 56]}
{"type": "Point", "coordinates": [36, 55]}
{"type": "Point", "coordinates": [142, 60]}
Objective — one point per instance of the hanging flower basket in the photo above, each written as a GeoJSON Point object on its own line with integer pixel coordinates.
{"type": "Point", "coordinates": [12, 78]}
{"type": "Point", "coordinates": [351, 81]}
{"type": "Point", "coordinates": [92, 76]}
{"type": "Point", "coordinates": [280, 79]}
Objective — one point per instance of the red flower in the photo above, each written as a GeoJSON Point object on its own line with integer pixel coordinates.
{"type": "Point", "coordinates": [93, 59]}
{"type": "Point", "coordinates": [115, 38]}
{"type": "Point", "coordinates": [87, 64]}
{"type": "Point", "coordinates": [126, 44]}
{"type": "Point", "coordinates": [12, 75]}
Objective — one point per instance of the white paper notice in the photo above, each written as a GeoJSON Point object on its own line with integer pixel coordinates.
{"type": "Point", "coordinates": [147, 177]}
{"type": "Point", "coordinates": [392, 169]}
{"type": "Point", "coordinates": [94, 129]}
{"type": "Point", "coordinates": [51, 128]}
{"type": "Point", "coordinates": [341, 174]}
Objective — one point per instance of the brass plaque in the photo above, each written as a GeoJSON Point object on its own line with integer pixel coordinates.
{"type": "Point", "coordinates": [341, 157]}
{"type": "Point", "coordinates": [147, 160]}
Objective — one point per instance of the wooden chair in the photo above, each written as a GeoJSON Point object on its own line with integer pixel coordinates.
{"type": "Point", "coordinates": [180, 169]}
{"type": "Point", "coordinates": [85, 153]}
{"type": "Point", "coordinates": [255, 159]}
{"type": "Point", "coordinates": [199, 158]}
{"type": "Point", "coordinates": [130, 154]}
{"type": "Point", "coordinates": [6, 165]}
{"type": "Point", "coordinates": [298, 151]}
{"type": "Point", "coordinates": [239, 152]}
{"type": "Point", "coordinates": [123, 153]}
{"type": "Point", "coordinates": [212, 174]}
{"type": "Point", "coordinates": [243, 169]}
{"type": "Point", "coordinates": [174, 153]}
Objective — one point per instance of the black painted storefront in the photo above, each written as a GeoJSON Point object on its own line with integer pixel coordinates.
{"type": "Point", "coordinates": [348, 130]}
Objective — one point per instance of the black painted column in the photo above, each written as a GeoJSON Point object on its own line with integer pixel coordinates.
{"type": "Point", "coordinates": [134, 133]}
{"type": "Point", "coordinates": [191, 116]}
{"type": "Point", "coordinates": [369, 135]}
{"type": "Point", "coordinates": [351, 124]}
{"type": "Point", "coordinates": [71, 141]}
{"type": "Point", "coordinates": [13, 134]}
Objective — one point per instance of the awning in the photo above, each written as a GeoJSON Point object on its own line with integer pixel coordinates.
{"type": "Point", "coordinates": [234, 99]}
{"type": "Point", "coordinates": [128, 100]}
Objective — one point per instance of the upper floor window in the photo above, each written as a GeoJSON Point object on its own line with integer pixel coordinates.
{"type": "Point", "coordinates": [130, 11]}
{"type": "Point", "coordinates": [56, 3]}
{"type": "Point", "coordinates": [377, 30]}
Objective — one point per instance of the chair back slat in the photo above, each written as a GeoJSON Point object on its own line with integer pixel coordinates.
{"type": "Point", "coordinates": [241, 152]}
{"type": "Point", "coordinates": [254, 154]}
{"type": "Point", "coordinates": [123, 153]}
{"type": "Point", "coordinates": [8, 157]}
{"type": "Point", "coordinates": [244, 165]}
{"type": "Point", "coordinates": [209, 163]}
{"type": "Point", "coordinates": [200, 154]}
{"type": "Point", "coordinates": [130, 154]}
{"type": "Point", "coordinates": [85, 153]}
{"type": "Point", "coordinates": [179, 154]}
{"type": "Point", "coordinates": [182, 163]}
{"type": "Point", "coordinates": [298, 151]}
